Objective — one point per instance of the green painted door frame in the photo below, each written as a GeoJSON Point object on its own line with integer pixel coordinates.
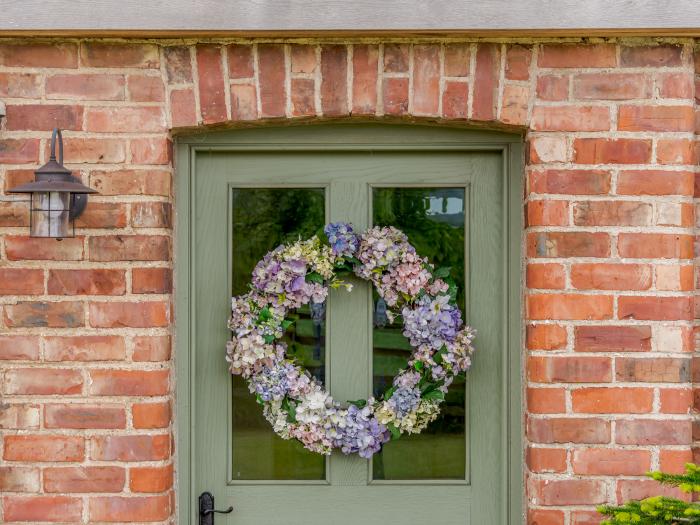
{"type": "Point", "coordinates": [348, 138]}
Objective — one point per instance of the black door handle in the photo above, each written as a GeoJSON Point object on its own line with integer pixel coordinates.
{"type": "Point", "coordinates": [207, 510]}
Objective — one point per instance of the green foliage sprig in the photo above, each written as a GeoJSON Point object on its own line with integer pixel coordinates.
{"type": "Point", "coordinates": [660, 510]}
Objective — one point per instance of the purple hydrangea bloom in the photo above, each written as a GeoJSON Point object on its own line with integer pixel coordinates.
{"type": "Point", "coordinates": [362, 433]}
{"type": "Point", "coordinates": [432, 321]}
{"type": "Point", "coordinates": [404, 400]}
{"type": "Point", "coordinates": [342, 238]}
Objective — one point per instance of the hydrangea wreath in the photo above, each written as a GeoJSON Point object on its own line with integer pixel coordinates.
{"type": "Point", "coordinates": [293, 401]}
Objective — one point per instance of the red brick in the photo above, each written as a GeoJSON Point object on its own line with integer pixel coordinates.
{"type": "Point", "coordinates": [574, 182]}
{"type": "Point", "coordinates": [611, 276]}
{"type": "Point", "coordinates": [612, 151]}
{"type": "Point", "coordinates": [151, 415]}
{"type": "Point", "coordinates": [546, 337]}
{"type": "Point", "coordinates": [244, 102]}
{"type": "Point", "coordinates": [638, 489]}
{"type": "Point", "coordinates": [577, 56]}
{"type": "Point", "coordinates": [303, 97]}
{"type": "Point", "coordinates": [124, 119]}
{"type": "Point", "coordinates": [129, 314]}
{"type": "Point", "coordinates": [212, 88]}
{"type": "Point", "coordinates": [271, 74]}
{"type": "Point", "coordinates": [655, 308]}
{"type": "Point", "coordinates": [152, 280]}
{"type": "Point", "coordinates": [515, 105]}
{"type": "Point", "coordinates": [130, 448]}
{"type": "Point", "coordinates": [546, 400]}
{"type": "Point", "coordinates": [93, 151]}
{"type": "Point", "coordinates": [426, 79]}
{"type": "Point", "coordinates": [568, 244]}
{"type": "Point", "coordinates": [653, 432]}
{"type": "Point", "coordinates": [612, 213]}
{"type": "Point", "coordinates": [53, 54]}
{"type": "Point", "coordinates": [85, 87]}
{"type": "Point", "coordinates": [655, 182]}
{"type": "Point", "coordinates": [44, 448]}
{"type": "Point", "coordinates": [610, 462]}
{"type": "Point", "coordinates": [455, 100]}
{"type": "Point", "coordinates": [612, 86]}
{"type": "Point", "coordinates": [676, 400]}
{"type": "Point", "coordinates": [19, 479]}
{"type": "Point", "coordinates": [43, 381]}
{"type": "Point", "coordinates": [655, 245]}
{"type": "Point", "coordinates": [79, 415]}
{"type": "Point", "coordinates": [676, 151]}
{"type": "Point", "coordinates": [545, 517]}
{"type": "Point", "coordinates": [84, 348]}
{"type": "Point", "coordinates": [151, 479]}
{"type": "Point", "coordinates": [486, 82]}
{"type": "Point", "coordinates": [457, 59]}
{"type": "Point", "coordinates": [334, 92]}
{"type": "Point", "coordinates": [131, 182]}
{"type": "Point", "coordinates": [20, 85]}
{"type": "Point", "coordinates": [656, 118]}
{"type": "Point", "coordinates": [101, 54]}
{"type": "Point", "coordinates": [652, 370]}
{"type": "Point", "coordinates": [19, 416]}
{"type": "Point", "coordinates": [550, 87]}
{"type": "Point", "coordinates": [87, 282]}
{"type": "Point", "coordinates": [546, 276]}
{"type": "Point", "coordinates": [364, 85]}
{"type": "Point", "coordinates": [26, 314]}
{"type": "Point", "coordinates": [14, 214]}
{"type": "Point", "coordinates": [598, 400]}
{"type": "Point", "coordinates": [21, 281]}
{"type": "Point", "coordinates": [42, 508]}
{"type": "Point", "coordinates": [676, 85]}
{"type": "Point", "coordinates": [151, 348]}
{"type": "Point", "coordinates": [102, 215]}
{"type": "Point", "coordinates": [151, 215]}
{"type": "Point", "coordinates": [84, 479]}
{"type": "Point", "coordinates": [128, 509]}
{"type": "Point", "coordinates": [569, 369]}
{"type": "Point", "coordinates": [141, 88]}
{"type": "Point", "coordinates": [569, 306]}
{"type": "Point", "coordinates": [612, 338]}
{"type": "Point", "coordinates": [303, 58]}
{"type": "Point", "coordinates": [129, 382]}
{"type": "Point", "coordinates": [183, 109]}
{"type": "Point", "coordinates": [547, 213]}
{"type": "Point", "coordinates": [546, 459]}
{"type": "Point", "coordinates": [570, 118]}
{"type": "Point", "coordinates": [396, 58]}
{"type": "Point", "coordinates": [654, 56]}
{"type": "Point", "coordinates": [35, 249]}
{"type": "Point", "coordinates": [518, 62]}
{"type": "Point", "coordinates": [558, 492]}
{"type": "Point", "coordinates": [674, 461]}
{"type": "Point", "coordinates": [130, 248]}
{"type": "Point", "coordinates": [19, 347]}
{"type": "Point", "coordinates": [395, 96]}
{"type": "Point", "coordinates": [44, 117]}
{"type": "Point", "coordinates": [150, 151]}
{"type": "Point", "coordinates": [17, 151]}
{"type": "Point", "coordinates": [178, 64]}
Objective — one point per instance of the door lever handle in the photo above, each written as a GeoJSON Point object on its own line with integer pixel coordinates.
{"type": "Point", "coordinates": [207, 510]}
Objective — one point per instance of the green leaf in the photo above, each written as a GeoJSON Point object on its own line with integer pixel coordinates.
{"type": "Point", "coordinates": [389, 393]}
{"type": "Point", "coordinates": [359, 403]}
{"type": "Point", "coordinates": [395, 432]}
{"type": "Point", "coordinates": [286, 324]}
{"type": "Point", "coordinates": [290, 409]}
{"type": "Point", "coordinates": [434, 394]}
{"type": "Point", "coordinates": [441, 273]}
{"type": "Point", "coordinates": [314, 277]}
{"type": "Point", "coordinates": [269, 338]}
{"type": "Point", "coordinates": [264, 314]}
{"type": "Point", "coordinates": [418, 365]}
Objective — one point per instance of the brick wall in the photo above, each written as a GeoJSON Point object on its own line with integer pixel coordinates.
{"type": "Point", "coordinates": [85, 323]}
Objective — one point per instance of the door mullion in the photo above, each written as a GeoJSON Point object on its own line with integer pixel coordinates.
{"type": "Point", "coordinates": [349, 341]}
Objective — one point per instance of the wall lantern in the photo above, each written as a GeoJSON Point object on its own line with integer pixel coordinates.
{"type": "Point", "coordinates": [57, 197]}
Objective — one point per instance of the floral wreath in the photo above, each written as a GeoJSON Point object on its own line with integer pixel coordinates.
{"type": "Point", "coordinates": [299, 273]}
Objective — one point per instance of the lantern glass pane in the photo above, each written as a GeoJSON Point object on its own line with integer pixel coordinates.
{"type": "Point", "coordinates": [40, 215]}
{"type": "Point", "coordinates": [50, 214]}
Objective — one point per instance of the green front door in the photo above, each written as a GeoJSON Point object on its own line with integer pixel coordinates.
{"type": "Point", "coordinates": [456, 195]}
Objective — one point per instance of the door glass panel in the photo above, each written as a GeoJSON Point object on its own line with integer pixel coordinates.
{"type": "Point", "coordinates": [434, 220]}
{"type": "Point", "coordinates": [263, 218]}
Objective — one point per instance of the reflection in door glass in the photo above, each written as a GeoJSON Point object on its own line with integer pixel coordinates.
{"type": "Point", "coordinates": [434, 220]}
{"type": "Point", "coordinates": [263, 219]}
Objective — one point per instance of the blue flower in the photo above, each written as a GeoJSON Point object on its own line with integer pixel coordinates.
{"type": "Point", "coordinates": [342, 238]}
